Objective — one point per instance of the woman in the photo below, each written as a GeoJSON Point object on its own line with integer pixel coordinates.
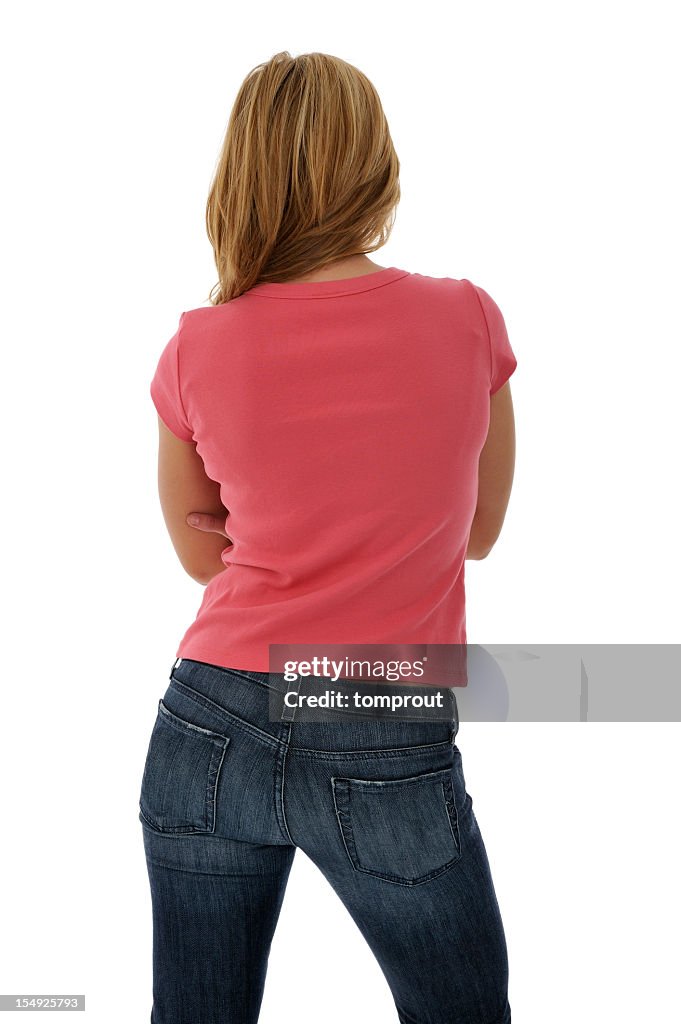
{"type": "Point", "coordinates": [336, 438]}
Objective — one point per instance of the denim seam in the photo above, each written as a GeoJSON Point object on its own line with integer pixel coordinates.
{"type": "Point", "coordinates": [228, 672]}
{"type": "Point", "coordinates": [341, 789]}
{"type": "Point", "coordinates": [393, 784]}
{"type": "Point", "coordinates": [280, 784]}
{"type": "Point", "coordinates": [212, 790]}
{"type": "Point", "coordinates": [180, 723]}
{"type": "Point", "coordinates": [343, 826]}
{"type": "Point", "coordinates": [219, 744]}
{"type": "Point", "coordinates": [271, 741]}
{"type": "Point", "coordinates": [177, 831]}
{"type": "Point", "coordinates": [452, 813]}
{"type": "Point", "coordinates": [193, 871]}
{"type": "Point", "coordinates": [210, 811]}
{"type": "Point", "coordinates": [367, 755]}
{"type": "Point", "coordinates": [241, 673]}
{"type": "Point", "coordinates": [271, 688]}
{"type": "Point", "coordinates": [229, 717]}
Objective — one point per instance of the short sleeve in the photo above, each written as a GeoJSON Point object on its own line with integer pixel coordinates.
{"type": "Point", "coordinates": [503, 361]}
{"type": "Point", "coordinates": [165, 389]}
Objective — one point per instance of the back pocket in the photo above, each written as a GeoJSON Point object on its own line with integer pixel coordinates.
{"type": "Point", "coordinates": [403, 830]}
{"type": "Point", "coordinates": [181, 773]}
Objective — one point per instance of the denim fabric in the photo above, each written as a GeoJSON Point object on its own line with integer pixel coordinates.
{"type": "Point", "coordinates": [381, 808]}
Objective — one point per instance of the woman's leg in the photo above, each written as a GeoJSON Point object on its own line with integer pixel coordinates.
{"type": "Point", "coordinates": [215, 905]}
{"type": "Point", "coordinates": [217, 857]}
{"type": "Point", "coordinates": [394, 833]}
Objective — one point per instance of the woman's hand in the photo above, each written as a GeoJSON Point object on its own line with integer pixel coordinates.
{"type": "Point", "coordinates": [208, 523]}
{"type": "Point", "coordinates": [184, 485]}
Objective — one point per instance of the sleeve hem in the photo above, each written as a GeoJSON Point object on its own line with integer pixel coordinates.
{"type": "Point", "coordinates": [499, 372]}
{"type": "Point", "coordinates": [501, 379]}
{"type": "Point", "coordinates": [167, 419]}
{"type": "Point", "coordinates": [179, 378]}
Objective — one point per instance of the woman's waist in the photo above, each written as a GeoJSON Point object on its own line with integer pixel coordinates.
{"type": "Point", "coordinates": [314, 713]}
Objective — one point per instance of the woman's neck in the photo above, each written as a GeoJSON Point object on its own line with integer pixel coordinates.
{"type": "Point", "coordinates": [338, 270]}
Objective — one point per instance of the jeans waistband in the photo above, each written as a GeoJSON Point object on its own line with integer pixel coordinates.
{"type": "Point", "coordinates": [288, 699]}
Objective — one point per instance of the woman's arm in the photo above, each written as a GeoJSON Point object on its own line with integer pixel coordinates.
{"type": "Point", "coordinates": [495, 475]}
{"type": "Point", "coordinates": [184, 487]}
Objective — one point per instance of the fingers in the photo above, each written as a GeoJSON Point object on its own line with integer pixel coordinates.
{"type": "Point", "coordinates": [207, 523]}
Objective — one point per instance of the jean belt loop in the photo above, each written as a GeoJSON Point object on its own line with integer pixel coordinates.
{"type": "Point", "coordinates": [288, 714]}
{"type": "Point", "coordinates": [454, 715]}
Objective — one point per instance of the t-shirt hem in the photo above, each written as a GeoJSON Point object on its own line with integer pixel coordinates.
{"type": "Point", "coordinates": [251, 659]}
{"type": "Point", "coordinates": [247, 659]}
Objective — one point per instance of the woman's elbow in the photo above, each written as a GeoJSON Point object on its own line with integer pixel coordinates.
{"type": "Point", "coordinates": [199, 577]}
{"type": "Point", "coordinates": [477, 550]}
{"type": "Point", "coordinates": [481, 540]}
{"type": "Point", "coordinates": [202, 573]}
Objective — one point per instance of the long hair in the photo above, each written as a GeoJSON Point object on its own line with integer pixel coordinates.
{"type": "Point", "coordinates": [307, 173]}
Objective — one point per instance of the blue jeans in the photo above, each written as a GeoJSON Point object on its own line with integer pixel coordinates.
{"type": "Point", "coordinates": [381, 808]}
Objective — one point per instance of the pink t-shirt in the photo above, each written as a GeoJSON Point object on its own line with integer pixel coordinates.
{"type": "Point", "coordinates": [343, 421]}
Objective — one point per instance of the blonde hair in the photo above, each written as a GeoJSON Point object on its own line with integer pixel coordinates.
{"type": "Point", "coordinates": [307, 173]}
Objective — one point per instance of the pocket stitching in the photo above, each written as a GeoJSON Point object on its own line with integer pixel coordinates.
{"type": "Point", "coordinates": [182, 723]}
{"type": "Point", "coordinates": [217, 709]}
{"type": "Point", "coordinates": [341, 790]}
{"type": "Point", "coordinates": [219, 744]}
{"type": "Point", "coordinates": [338, 788]}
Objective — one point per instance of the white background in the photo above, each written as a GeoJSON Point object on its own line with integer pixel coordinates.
{"type": "Point", "coordinates": [538, 148]}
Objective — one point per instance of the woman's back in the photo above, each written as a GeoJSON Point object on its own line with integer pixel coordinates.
{"type": "Point", "coordinates": [344, 421]}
